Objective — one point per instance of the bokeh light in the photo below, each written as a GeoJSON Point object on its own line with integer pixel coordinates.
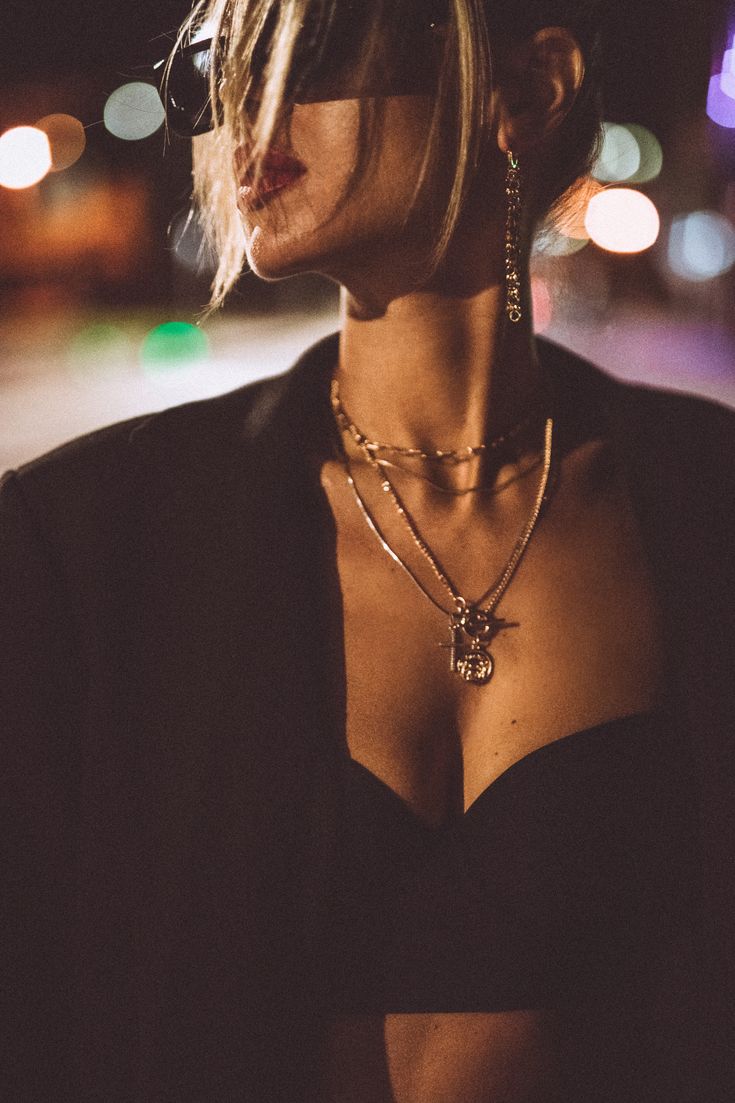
{"type": "Point", "coordinates": [99, 343]}
{"type": "Point", "coordinates": [727, 79]}
{"type": "Point", "coordinates": [25, 157]}
{"type": "Point", "coordinates": [67, 139]}
{"type": "Point", "coordinates": [543, 304]}
{"type": "Point", "coordinates": [549, 242]}
{"type": "Point", "coordinates": [701, 246]}
{"type": "Point", "coordinates": [191, 249]}
{"type": "Point", "coordinates": [572, 223]}
{"type": "Point", "coordinates": [134, 111]}
{"type": "Point", "coordinates": [651, 154]}
{"type": "Point", "coordinates": [720, 106]}
{"type": "Point", "coordinates": [174, 343]}
{"type": "Point", "coordinates": [620, 155]}
{"type": "Point", "coordinates": [622, 220]}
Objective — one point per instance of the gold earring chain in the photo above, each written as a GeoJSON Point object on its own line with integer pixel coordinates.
{"type": "Point", "coordinates": [512, 240]}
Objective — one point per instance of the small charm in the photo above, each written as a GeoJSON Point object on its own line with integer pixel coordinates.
{"type": "Point", "coordinates": [455, 647]}
{"type": "Point", "coordinates": [471, 632]}
{"type": "Point", "coordinates": [475, 666]}
{"type": "Point", "coordinates": [479, 626]}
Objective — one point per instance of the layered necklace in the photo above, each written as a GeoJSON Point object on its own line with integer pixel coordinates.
{"type": "Point", "coordinates": [472, 624]}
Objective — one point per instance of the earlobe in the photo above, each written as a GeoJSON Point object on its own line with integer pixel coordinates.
{"type": "Point", "coordinates": [539, 83]}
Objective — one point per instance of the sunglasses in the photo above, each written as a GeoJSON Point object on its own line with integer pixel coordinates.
{"type": "Point", "coordinates": [328, 64]}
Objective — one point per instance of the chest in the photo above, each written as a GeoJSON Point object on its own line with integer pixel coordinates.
{"type": "Point", "coordinates": [581, 643]}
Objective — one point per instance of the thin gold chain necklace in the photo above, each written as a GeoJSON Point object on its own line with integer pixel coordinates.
{"type": "Point", "coordinates": [481, 489]}
{"type": "Point", "coordinates": [450, 456]}
{"type": "Point", "coordinates": [472, 625]}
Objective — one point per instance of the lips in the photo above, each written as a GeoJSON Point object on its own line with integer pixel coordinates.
{"type": "Point", "coordinates": [279, 171]}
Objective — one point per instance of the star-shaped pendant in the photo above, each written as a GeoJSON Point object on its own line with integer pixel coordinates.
{"type": "Point", "coordinates": [480, 625]}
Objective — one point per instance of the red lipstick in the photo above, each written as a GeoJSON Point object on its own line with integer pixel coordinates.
{"type": "Point", "coordinates": [279, 171]}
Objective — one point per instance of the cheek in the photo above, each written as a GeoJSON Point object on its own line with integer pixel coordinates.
{"type": "Point", "coordinates": [328, 137]}
{"type": "Point", "coordinates": [325, 137]}
{"type": "Point", "coordinates": [330, 212]}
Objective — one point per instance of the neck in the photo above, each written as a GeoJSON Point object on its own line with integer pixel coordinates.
{"type": "Point", "coordinates": [435, 371]}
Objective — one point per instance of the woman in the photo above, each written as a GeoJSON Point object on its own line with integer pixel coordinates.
{"type": "Point", "coordinates": [369, 725]}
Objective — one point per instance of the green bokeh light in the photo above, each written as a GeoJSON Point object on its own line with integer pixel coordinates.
{"type": "Point", "coordinates": [551, 243]}
{"type": "Point", "coordinates": [99, 344]}
{"type": "Point", "coordinates": [172, 344]}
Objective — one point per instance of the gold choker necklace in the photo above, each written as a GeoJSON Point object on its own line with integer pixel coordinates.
{"type": "Point", "coordinates": [451, 456]}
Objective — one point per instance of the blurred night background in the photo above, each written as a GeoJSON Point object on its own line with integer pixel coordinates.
{"type": "Point", "coordinates": [102, 280]}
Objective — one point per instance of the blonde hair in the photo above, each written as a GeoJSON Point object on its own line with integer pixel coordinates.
{"type": "Point", "coordinates": [464, 84]}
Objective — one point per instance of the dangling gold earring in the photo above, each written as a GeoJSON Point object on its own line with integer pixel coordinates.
{"type": "Point", "coordinates": [513, 240]}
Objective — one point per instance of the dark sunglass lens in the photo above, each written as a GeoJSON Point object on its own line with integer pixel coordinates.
{"type": "Point", "coordinates": [188, 103]}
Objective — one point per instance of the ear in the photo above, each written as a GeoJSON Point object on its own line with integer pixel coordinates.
{"type": "Point", "coordinates": [537, 84]}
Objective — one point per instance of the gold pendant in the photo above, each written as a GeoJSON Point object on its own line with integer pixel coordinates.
{"type": "Point", "coordinates": [475, 666]}
{"type": "Point", "coordinates": [472, 630]}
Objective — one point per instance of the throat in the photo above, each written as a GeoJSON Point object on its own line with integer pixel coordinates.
{"type": "Point", "coordinates": [437, 373]}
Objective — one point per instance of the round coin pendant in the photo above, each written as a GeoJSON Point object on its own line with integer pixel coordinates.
{"type": "Point", "coordinates": [475, 666]}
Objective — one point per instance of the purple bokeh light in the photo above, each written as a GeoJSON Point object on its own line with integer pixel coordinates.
{"type": "Point", "coordinates": [721, 93]}
{"type": "Point", "coordinates": [720, 106]}
{"type": "Point", "coordinates": [727, 79]}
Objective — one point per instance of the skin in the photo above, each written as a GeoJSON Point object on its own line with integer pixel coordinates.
{"type": "Point", "coordinates": [435, 364]}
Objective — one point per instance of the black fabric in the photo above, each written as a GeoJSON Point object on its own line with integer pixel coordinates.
{"type": "Point", "coordinates": [172, 710]}
{"type": "Point", "coordinates": [554, 890]}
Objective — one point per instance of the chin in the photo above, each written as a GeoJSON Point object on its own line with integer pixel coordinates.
{"type": "Point", "coordinates": [275, 256]}
{"type": "Point", "coordinates": [339, 251]}
{"type": "Point", "coordinates": [272, 258]}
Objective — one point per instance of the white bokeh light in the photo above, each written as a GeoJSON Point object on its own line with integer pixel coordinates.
{"type": "Point", "coordinates": [622, 220]}
{"type": "Point", "coordinates": [190, 248]}
{"type": "Point", "coordinates": [25, 157]}
{"type": "Point", "coordinates": [134, 111]}
{"type": "Point", "coordinates": [701, 246]}
{"type": "Point", "coordinates": [651, 155]}
{"type": "Point", "coordinates": [620, 156]}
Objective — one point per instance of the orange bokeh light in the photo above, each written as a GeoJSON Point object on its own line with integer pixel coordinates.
{"type": "Point", "coordinates": [67, 139]}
